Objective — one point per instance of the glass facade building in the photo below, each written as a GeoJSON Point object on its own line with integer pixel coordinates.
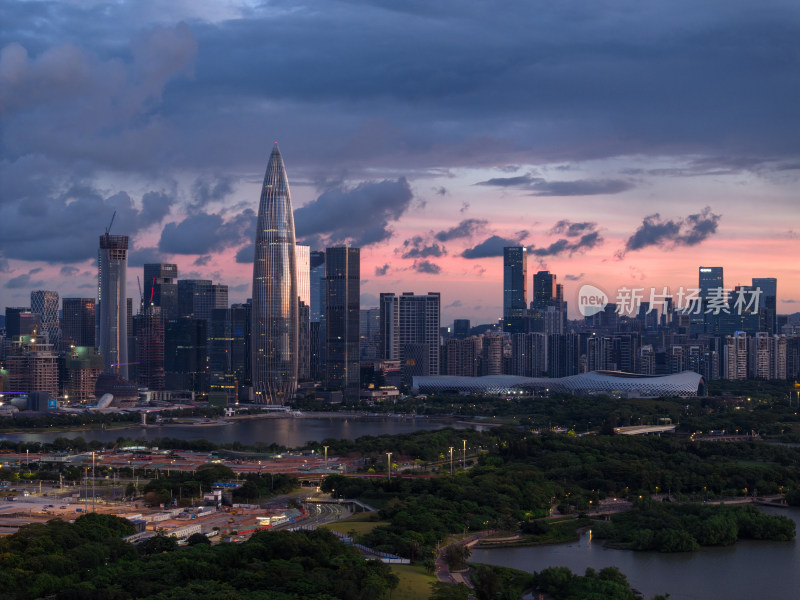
{"type": "Point", "coordinates": [275, 290]}
{"type": "Point", "coordinates": [78, 321]}
{"type": "Point", "coordinates": [45, 304]}
{"type": "Point", "coordinates": [515, 293]}
{"type": "Point", "coordinates": [161, 289]}
{"type": "Point", "coordinates": [112, 329]}
{"type": "Point", "coordinates": [342, 320]}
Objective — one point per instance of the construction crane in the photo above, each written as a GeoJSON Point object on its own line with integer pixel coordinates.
{"type": "Point", "coordinates": [108, 229]}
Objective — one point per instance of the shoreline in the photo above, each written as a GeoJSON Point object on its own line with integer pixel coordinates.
{"type": "Point", "coordinates": [362, 416]}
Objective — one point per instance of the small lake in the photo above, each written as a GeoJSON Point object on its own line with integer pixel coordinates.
{"type": "Point", "coordinates": [291, 432]}
{"type": "Point", "coordinates": [748, 570]}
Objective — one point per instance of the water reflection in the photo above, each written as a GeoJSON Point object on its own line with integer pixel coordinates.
{"type": "Point", "coordinates": [285, 431]}
{"type": "Point", "coordinates": [744, 571]}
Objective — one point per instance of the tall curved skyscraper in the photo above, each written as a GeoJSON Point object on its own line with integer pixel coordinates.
{"type": "Point", "coordinates": [275, 306]}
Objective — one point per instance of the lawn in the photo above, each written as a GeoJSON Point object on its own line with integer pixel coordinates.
{"type": "Point", "coordinates": [415, 583]}
{"type": "Point", "coordinates": [361, 523]}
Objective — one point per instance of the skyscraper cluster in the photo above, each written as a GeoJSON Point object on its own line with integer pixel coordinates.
{"type": "Point", "coordinates": [304, 328]}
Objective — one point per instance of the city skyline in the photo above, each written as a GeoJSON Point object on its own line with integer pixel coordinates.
{"type": "Point", "coordinates": [627, 159]}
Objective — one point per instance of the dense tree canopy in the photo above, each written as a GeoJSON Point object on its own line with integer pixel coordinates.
{"type": "Point", "coordinates": [89, 560]}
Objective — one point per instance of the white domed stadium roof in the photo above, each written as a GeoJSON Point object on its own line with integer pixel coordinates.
{"type": "Point", "coordinates": [614, 383]}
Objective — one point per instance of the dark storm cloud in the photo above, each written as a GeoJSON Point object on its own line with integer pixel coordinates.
{"type": "Point", "coordinates": [570, 277]}
{"type": "Point", "coordinates": [427, 267]}
{"type": "Point", "coordinates": [381, 271]}
{"type": "Point", "coordinates": [466, 228]}
{"type": "Point", "coordinates": [669, 233]}
{"type": "Point", "coordinates": [562, 246]}
{"type": "Point", "coordinates": [127, 88]}
{"type": "Point", "coordinates": [211, 189]}
{"type": "Point", "coordinates": [202, 261]}
{"type": "Point", "coordinates": [672, 77]}
{"type": "Point", "coordinates": [571, 228]}
{"type": "Point", "coordinates": [586, 233]}
{"type": "Point", "coordinates": [698, 227]}
{"type": "Point", "coordinates": [203, 233]}
{"type": "Point", "coordinates": [361, 215]}
{"type": "Point", "coordinates": [68, 271]}
{"type": "Point", "coordinates": [64, 227]}
{"type": "Point", "coordinates": [583, 187]}
{"type": "Point", "coordinates": [519, 181]}
{"type": "Point", "coordinates": [541, 187]}
{"type": "Point", "coordinates": [492, 246]}
{"type": "Point", "coordinates": [138, 257]}
{"type": "Point", "coordinates": [245, 254]}
{"type": "Point", "coordinates": [418, 247]}
{"type": "Point", "coordinates": [24, 281]}
{"type": "Point", "coordinates": [78, 103]}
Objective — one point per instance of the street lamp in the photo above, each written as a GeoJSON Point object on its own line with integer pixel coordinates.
{"type": "Point", "coordinates": [389, 464]}
{"type": "Point", "coordinates": [326, 457]}
{"type": "Point", "coordinates": [451, 461]}
{"type": "Point", "coordinates": [464, 456]}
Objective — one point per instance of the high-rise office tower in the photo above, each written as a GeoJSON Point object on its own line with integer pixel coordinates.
{"type": "Point", "coordinates": [316, 330]}
{"type": "Point", "coordinates": [193, 298]}
{"type": "Point", "coordinates": [370, 333]}
{"type": "Point", "coordinates": [45, 304]}
{"type": "Point", "coordinates": [418, 324]}
{"type": "Point", "coordinates": [742, 313]}
{"type": "Point", "coordinates": [148, 329]}
{"type": "Point", "coordinates": [461, 328]}
{"type": "Point", "coordinates": [275, 306]}
{"type": "Point", "coordinates": [544, 289]}
{"type": "Point", "coordinates": [20, 321]}
{"type": "Point", "coordinates": [112, 262]}
{"type": "Point", "coordinates": [545, 297]}
{"type": "Point", "coordinates": [409, 332]}
{"type": "Point", "coordinates": [161, 288]}
{"type": "Point", "coordinates": [563, 354]}
{"type": "Point", "coordinates": [342, 316]}
{"type": "Point", "coordinates": [389, 338]}
{"type": "Point", "coordinates": [228, 345]}
{"type": "Point", "coordinates": [78, 321]}
{"type": "Point", "coordinates": [303, 260]}
{"type": "Point", "coordinates": [767, 303]}
{"type": "Point", "coordinates": [316, 285]}
{"type": "Point", "coordinates": [198, 297]}
{"type": "Point", "coordinates": [185, 351]}
{"type": "Point", "coordinates": [709, 279]}
{"type": "Point", "coordinates": [529, 354]}
{"type": "Point", "coordinates": [303, 342]}
{"type": "Point", "coordinates": [515, 292]}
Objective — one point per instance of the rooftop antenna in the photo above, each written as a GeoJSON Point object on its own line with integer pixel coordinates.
{"type": "Point", "coordinates": [111, 223]}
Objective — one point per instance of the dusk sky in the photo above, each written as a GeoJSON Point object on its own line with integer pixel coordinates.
{"type": "Point", "coordinates": [625, 143]}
